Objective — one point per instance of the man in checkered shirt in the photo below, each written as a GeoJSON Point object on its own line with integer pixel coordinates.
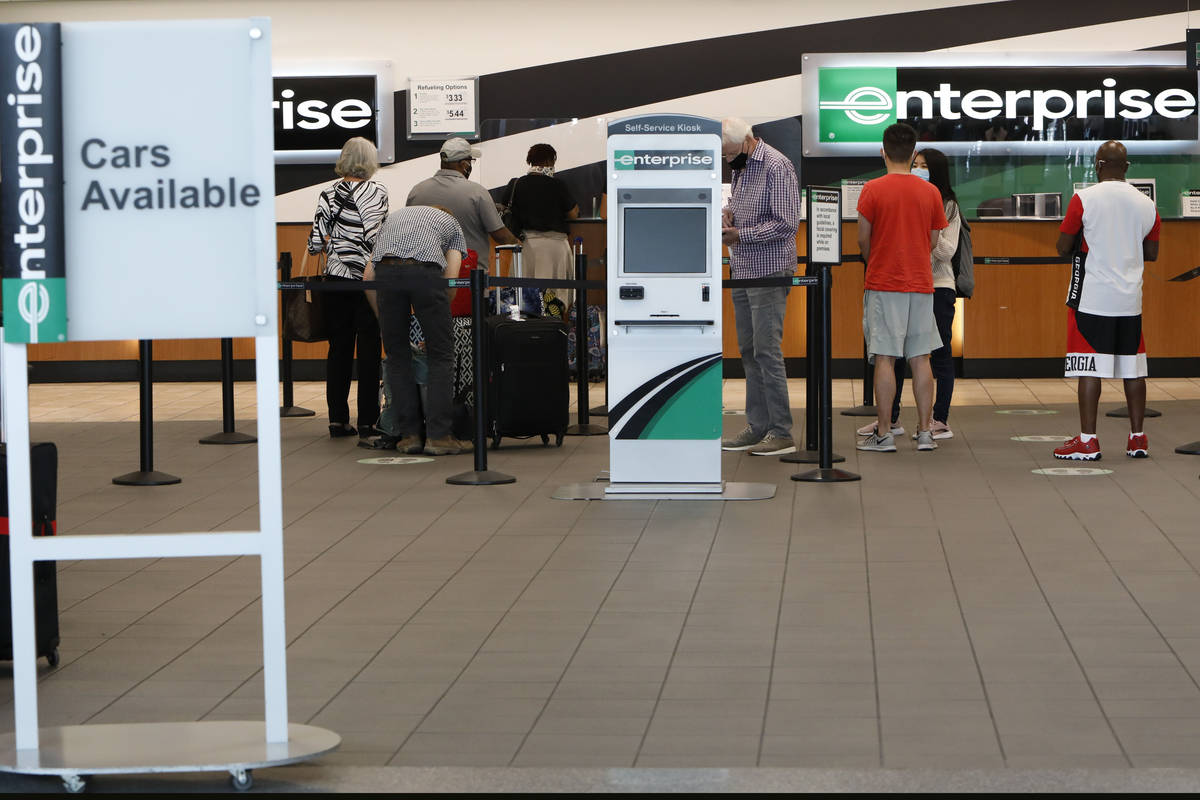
{"type": "Point", "coordinates": [759, 227]}
{"type": "Point", "coordinates": [418, 247]}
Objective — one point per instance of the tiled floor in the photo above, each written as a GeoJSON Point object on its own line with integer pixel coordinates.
{"type": "Point", "coordinates": [950, 611]}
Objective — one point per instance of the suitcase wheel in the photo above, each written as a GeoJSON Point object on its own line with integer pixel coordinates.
{"type": "Point", "coordinates": [52, 658]}
{"type": "Point", "coordinates": [74, 784]}
{"type": "Point", "coordinates": [241, 779]}
{"type": "Point", "coordinates": [545, 439]}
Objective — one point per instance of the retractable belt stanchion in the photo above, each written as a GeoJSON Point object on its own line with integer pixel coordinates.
{"type": "Point", "coordinates": [481, 475]}
{"type": "Point", "coordinates": [826, 472]}
{"type": "Point", "coordinates": [583, 427]}
{"type": "Point", "coordinates": [147, 475]}
{"type": "Point", "coordinates": [289, 409]}
{"type": "Point", "coordinates": [227, 435]}
{"type": "Point", "coordinates": [812, 379]}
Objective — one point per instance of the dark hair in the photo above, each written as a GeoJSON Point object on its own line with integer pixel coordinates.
{"type": "Point", "coordinates": [939, 172]}
{"type": "Point", "coordinates": [899, 141]}
{"type": "Point", "coordinates": [541, 155]}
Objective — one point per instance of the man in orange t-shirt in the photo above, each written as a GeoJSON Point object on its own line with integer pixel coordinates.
{"type": "Point", "coordinates": [899, 216]}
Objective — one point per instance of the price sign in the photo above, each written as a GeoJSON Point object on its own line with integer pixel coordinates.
{"type": "Point", "coordinates": [441, 107]}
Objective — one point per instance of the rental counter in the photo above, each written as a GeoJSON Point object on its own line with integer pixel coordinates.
{"type": "Point", "coordinates": [1013, 327]}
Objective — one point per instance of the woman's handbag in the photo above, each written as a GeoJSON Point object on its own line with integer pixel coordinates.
{"type": "Point", "coordinates": [304, 312]}
{"type": "Point", "coordinates": [507, 212]}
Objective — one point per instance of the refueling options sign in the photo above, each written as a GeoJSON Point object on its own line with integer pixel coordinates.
{"type": "Point", "coordinates": [1026, 103]}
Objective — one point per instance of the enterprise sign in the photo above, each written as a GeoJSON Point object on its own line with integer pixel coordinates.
{"type": "Point", "coordinates": [958, 103]}
{"type": "Point", "coordinates": [663, 159]}
{"type": "Point", "coordinates": [31, 159]}
{"type": "Point", "coordinates": [316, 107]}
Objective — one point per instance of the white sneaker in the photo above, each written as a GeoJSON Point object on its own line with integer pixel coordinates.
{"type": "Point", "coordinates": [925, 441]}
{"type": "Point", "coordinates": [878, 444]}
{"type": "Point", "coordinates": [869, 430]}
{"type": "Point", "coordinates": [940, 430]}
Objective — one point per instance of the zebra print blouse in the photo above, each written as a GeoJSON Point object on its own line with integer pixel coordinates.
{"type": "Point", "coordinates": [359, 207]}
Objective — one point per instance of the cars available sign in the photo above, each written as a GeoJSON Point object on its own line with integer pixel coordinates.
{"type": "Point", "coordinates": [1000, 102]}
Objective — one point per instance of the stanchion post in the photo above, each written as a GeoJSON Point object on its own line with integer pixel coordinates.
{"type": "Point", "coordinates": [481, 475]}
{"type": "Point", "coordinates": [812, 377]}
{"type": "Point", "coordinates": [289, 408]}
{"type": "Point", "coordinates": [147, 475]}
{"type": "Point", "coordinates": [583, 426]}
{"type": "Point", "coordinates": [826, 472]}
{"type": "Point", "coordinates": [824, 249]}
{"type": "Point", "coordinates": [228, 434]}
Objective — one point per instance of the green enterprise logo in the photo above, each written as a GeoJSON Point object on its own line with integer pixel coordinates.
{"type": "Point", "coordinates": [856, 103]}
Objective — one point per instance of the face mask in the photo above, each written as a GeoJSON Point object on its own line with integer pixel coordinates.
{"type": "Point", "coordinates": [739, 161]}
{"type": "Point", "coordinates": [467, 171]}
{"type": "Point", "coordinates": [921, 172]}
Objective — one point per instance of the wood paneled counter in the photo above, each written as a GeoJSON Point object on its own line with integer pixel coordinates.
{"type": "Point", "coordinates": [1015, 325]}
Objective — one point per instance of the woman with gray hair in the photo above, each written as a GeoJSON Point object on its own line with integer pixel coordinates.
{"type": "Point", "coordinates": [349, 216]}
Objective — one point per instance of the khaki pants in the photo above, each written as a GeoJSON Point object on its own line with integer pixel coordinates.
{"type": "Point", "coordinates": [547, 254]}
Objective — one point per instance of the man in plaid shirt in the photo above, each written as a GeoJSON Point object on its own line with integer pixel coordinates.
{"type": "Point", "coordinates": [759, 228]}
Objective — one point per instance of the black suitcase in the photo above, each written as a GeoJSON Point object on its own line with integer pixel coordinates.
{"type": "Point", "coordinates": [44, 474]}
{"type": "Point", "coordinates": [528, 393]}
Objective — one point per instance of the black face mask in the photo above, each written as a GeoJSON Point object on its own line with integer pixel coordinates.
{"type": "Point", "coordinates": [467, 171]}
{"type": "Point", "coordinates": [739, 161]}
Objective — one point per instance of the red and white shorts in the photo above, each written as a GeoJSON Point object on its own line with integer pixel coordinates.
{"type": "Point", "coordinates": [1104, 347]}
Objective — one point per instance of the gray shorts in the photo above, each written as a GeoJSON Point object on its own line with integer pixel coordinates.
{"type": "Point", "coordinates": [899, 324]}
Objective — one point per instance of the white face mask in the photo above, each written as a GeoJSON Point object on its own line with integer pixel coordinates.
{"type": "Point", "coordinates": [921, 172]}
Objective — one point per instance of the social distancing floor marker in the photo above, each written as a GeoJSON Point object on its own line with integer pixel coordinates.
{"type": "Point", "coordinates": [396, 460]}
{"type": "Point", "coordinates": [1026, 412]}
{"type": "Point", "coordinates": [1040, 437]}
{"type": "Point", "coordinates": [1072, 471]}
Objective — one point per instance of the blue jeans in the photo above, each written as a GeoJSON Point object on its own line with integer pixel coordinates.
{"type": "Point", "coordinates": [759, 317]}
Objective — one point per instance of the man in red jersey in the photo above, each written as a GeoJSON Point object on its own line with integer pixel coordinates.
{"type": "Point", "coordinates": [1119, 227]}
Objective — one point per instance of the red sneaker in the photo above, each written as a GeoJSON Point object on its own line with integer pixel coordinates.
{"type": "Point", "coordinates": [1138, 447]}
{"type": "Point", "coordinates": [1077, 450]}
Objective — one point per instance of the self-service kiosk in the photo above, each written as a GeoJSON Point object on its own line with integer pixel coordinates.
{"type": "Point", "coordinates": [664, 304]}
{"type": "Point", "coordinates": [664, 315]}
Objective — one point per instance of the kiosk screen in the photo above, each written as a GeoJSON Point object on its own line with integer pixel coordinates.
{"type": "Point", "coordinates": [671, 240]}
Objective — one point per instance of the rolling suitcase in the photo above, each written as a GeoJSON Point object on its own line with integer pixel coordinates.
{"type": "Point", "coordinates": [527, 379]}
{"type": "Point", "coordinates": [44, 474]}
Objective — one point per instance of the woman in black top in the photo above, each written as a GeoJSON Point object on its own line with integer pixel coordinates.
{"type": "Point", "coordinates": [349, 216]}
{"type": "Point", "coordinates": [541, 205]}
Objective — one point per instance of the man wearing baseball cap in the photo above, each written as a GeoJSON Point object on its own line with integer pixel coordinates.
{"type": "Point", "coordinates": [468, 202]}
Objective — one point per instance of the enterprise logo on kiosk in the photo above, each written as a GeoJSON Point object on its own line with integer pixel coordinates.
{"type": "Point", "coordinates": [856, 103]}
{"type": "Point", "coordinates": [663, 159]}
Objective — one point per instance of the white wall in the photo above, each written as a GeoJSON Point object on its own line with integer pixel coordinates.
{"type": "Point", "coordinates": [472, 37]}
